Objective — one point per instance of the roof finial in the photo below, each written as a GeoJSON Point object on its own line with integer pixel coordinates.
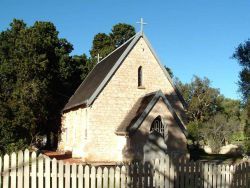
{"type": "Point", "coordinates": [141, 23]}
{"type": "Point", "coordinates": [98, 57]}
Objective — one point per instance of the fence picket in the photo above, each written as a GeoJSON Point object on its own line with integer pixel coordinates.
{"type": "Point", "coordinates": [47, 172]}
{"type": "Point", "coordinates": [111, 177]}
{"type": "Point", "coordinates": [67, 175]}
{"type": "Point", "coordinates": [128, 175]}
{"type": "Point", "coordinates": [123, 177]}
{"type": "Point", "coordinates": [171, 173]}
{"type": "Point", "coordinates": [191, 176]}
{"type": "Point", "coordinates": [182, 174]}
{"type": "Point", "coordinates": [105, 177]}
{"type": "Point", "coordinates": [73, 176]}
{"type": "Point", "coordinates": [6, 173]}
{"type": "Point", "coordinates": [1, 164]}
{"type": "Point", "coordinates": [140, 174]}
{"type": "Point", "coordinates": [161, 170]}
{"type": "Point", "coordinates": [166, 171]}
{"type": "Point", "coordinates": [93, 177]}
{"type": "Point", "coordinates": [54, 173]}
{"type": "Point", "coordinates": [187, 174]}
{"type": "Point", "coordinates": [26, 168]}
{"type": "Point", "coordinates": [40, 171]}
{"type": "Point", "coordinates": [86, 176]}
{"type": "Point", "coordinates": [80, 176]}
{"type": "Point", "coordinates": [223, 183]}
{"type": "Point", "coordinates": [117, 177]}
{"type": "Point", "coordinates": [13, 171]}
{"type": "Point", "coordinates": [219, 176]}
{"type": "Point", "coordinates": [33, 170]}
{"type": "Point", "coordinates": [20, 169]}
{"type": "Point", "coordinates": [60, 174]}
{"type": "Point", "coordinates": [99, 177]}
{"type": "Point", "coordinates": [134, 173]}
{"type": "Point", "coordinates": [227, 180]}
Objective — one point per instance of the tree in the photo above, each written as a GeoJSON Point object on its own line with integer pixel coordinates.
{"type": "Point", "coordinates": [121, 32]}
{"type": "Point", "coordinates": [219, 130]}
{"type": "Point", "coordinates": [203, 100]}
{"type": "Point", "coordinates": [103, 44]}
{"type": "Point", "coordinates": [242, 54]}
{"type": "Point", "coordinates": [170, 72]}
{"type": "Point", "coordinates": [36, 76]}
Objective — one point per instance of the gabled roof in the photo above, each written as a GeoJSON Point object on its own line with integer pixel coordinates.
{"type": "Point", "coordinates": [96, 80]}
{"type": "Point", "coordinates": [146, 104]}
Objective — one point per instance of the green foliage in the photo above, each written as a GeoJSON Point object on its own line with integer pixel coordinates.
{"type": "Point", "coordinates": [121, 32]}
{"type": "Point", "coordinates": [203, 100]}
{"type": "Point", "coordinates": [242, 54]}
{"type": "Point", "coordinates": [170, 72]}
{"type": "Point", "coordinates": [104, 44]}
{"type": "Point", "coordinates": [219, 130]}
{"type": "Point", "coordinates": [37, 76]}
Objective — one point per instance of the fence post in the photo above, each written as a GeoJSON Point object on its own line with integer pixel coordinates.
{"type": "Point", "coordinates": [13, 171]}
{"type": "Point", "coordinates": [20, 169]}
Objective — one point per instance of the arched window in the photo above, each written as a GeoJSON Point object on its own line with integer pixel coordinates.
{"type": "Point", "coordinates": [140, 76]}
{"type": "Point", "coordinates": [158, 126]}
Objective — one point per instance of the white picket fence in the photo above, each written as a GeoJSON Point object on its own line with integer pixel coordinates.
{"type": "Point", "coordinates": [25, 170]}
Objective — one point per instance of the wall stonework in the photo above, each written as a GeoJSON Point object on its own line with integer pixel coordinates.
{"type": "Point", "coordinates": [113, 104]}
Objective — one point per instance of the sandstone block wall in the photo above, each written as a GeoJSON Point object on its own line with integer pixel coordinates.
{"type": "Point", "coordinates": [113, 104]}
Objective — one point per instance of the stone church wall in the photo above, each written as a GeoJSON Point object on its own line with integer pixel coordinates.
{"type": "Point", "coordinates": [176, 141]}
{"type": "Point", "coordinates": [117, 99]}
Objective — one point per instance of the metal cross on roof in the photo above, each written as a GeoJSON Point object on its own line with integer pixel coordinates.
{"type": "Point", "coordinates": [98, 58]}
{"type": "Point", "coordinates": [141, 23]}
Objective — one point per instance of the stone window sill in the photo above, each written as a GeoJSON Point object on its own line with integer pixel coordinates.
{"type": "Point", "coordinates": [141, 87]}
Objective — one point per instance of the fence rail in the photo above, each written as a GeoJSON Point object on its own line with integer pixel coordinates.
{"type": "Point", "coordinates": [25, 170]}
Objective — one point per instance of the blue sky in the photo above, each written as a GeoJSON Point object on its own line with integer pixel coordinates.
{"type": "Point", "coordinates": [195, 37]}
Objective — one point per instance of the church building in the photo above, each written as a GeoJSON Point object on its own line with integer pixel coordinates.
{"type": "Point", "coordinates": [127, 108]}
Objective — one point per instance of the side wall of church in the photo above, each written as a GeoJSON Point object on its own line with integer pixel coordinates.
{"type": "Point", "coordinates": [74, 131]}
{"type": "Point", "coordinates": [117, 99]}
